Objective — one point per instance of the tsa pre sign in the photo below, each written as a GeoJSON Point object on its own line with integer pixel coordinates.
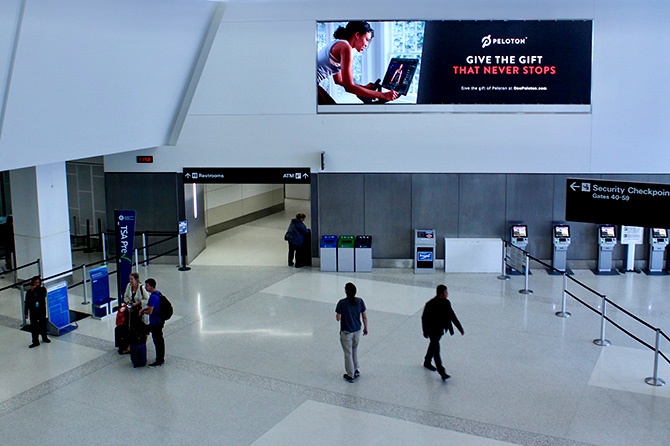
{"type": "Point", "coordinates": [125, 238]}
{"type": "Point", "coordinates": [617, 202]}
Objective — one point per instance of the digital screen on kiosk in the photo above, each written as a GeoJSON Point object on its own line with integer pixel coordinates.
{"type": "Point", "coordinates": [607, 232]}
{"type": "Point", "coordinates": [562, 231]}
{"type": "Point", "coordinates": [520, 231]}
{"type": "Point", "coordinates": [659, 233]}
{"type": "Point", "coordinates": [424, 256]}
{"type": "Point", "coordinates": [425, 234]}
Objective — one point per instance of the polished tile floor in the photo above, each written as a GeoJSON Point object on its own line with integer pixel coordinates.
{"type": "Point", "coordinates": [253, 358]}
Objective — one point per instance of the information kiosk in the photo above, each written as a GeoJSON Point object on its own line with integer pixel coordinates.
{"type": "Point", "coordinates": [561, 243]}
{"type": "Point", "coordinates": [658, 241]}
{"type": "Point", "coordinates": [424, 251]}
{"type": "Point", "coordinates": [606, 244]}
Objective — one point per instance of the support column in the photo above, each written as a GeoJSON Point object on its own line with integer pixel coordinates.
{"type": "Point", "coordinates": [41, 222]}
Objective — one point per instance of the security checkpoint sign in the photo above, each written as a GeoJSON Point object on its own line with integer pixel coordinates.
{"type": "Point", "coordinates": [617, 202]}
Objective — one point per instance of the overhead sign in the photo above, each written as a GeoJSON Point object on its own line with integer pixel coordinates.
{"type": "Point", "coordinates": [617, 202]}
{"type": "Point", "coordinates": [253, 175]}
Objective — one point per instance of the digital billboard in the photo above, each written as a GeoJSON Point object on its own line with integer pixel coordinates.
{"type": "Point", "coordinates": [454, 62]}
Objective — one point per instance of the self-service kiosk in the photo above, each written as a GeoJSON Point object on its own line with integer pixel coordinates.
{"type": "Point", "coordinates": [561, 242]}
{"type": "Point", "coordinates": [658, 241]}
{"type": "Point", "coordinates": [424, 251]}
{"type": "Point", "coordinates": [606, 244]}
{"type": "Point", "coordinates": [520, 236]}
{"type": "Point", "coordinates": [516, 258]}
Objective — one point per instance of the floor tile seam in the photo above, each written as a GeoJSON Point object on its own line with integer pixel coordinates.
{"type": "Point", "coordinates": [391, 410]}
{"type": "Point", "coordinates": [58, 382]}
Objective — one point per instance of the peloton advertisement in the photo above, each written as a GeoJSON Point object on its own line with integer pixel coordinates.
{"type": "Point", "coordinates": [489, 62]}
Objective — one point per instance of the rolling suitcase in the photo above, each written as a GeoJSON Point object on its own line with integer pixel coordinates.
{"type": "Point", "coordinates": [138, 354]}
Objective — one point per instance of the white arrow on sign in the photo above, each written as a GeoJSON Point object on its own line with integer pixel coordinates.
{"type": "Point", "coordinates": [572, 186]}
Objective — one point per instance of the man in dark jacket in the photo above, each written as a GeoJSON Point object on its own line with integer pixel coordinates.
{"type": "Point", "coordinates": [36, 311]}
{"type": "Point", "coordinates": [437, 318]}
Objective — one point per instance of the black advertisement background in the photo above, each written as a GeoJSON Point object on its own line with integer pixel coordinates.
{"type": "Point", "coordinates": [565, 44]}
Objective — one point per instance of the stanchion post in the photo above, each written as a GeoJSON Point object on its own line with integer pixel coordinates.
{"type": "Point", "coordinates": [83, 271]}
{"type": "Point", "coordinates": [39, 268]}
{"type": "Point", "coordinates": [14, 270]}
{"type": "Point", "coordinates": [564, 313]}
{"type": "Point", "coordinates": [503, 271]}
{"type": "Point", "coordinates": [655, 380]}
{"type": "Point", "coordinates": [88, 248]}
{"type": "Point", "coordinates": [526, 290]}
{"type": "Point", "coordinates": [104, 247]}
{"type": "Point", "coordinates": [137, 261]}
{"type": "Point", "coordinates": [602, 341]}
{"type": "Point", "coordinates": [182, 264]}
{"type": "Point", "coordinates": [144, 249]}
{"type": "Point", "coordinates": [100, 236]}
{"type": "Point", "coordinates": [22, 295]}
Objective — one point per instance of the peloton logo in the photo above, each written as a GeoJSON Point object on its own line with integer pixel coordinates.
{"type": "Point", "coordinates": [488, 40]}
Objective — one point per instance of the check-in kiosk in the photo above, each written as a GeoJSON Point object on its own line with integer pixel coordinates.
{"type": "Point", "coordinates": [328, 253]}
{"type": "Point", "coordinates": [520, 236]}
{"type": "Point", "coordinates": [561, 242]}
{"type": "Point", "coordinates": [606, 244]}
{"type": "Point", "coordinates": [345, 253]}
{"type": "Point", "coordinates": [424, 251]}
{"type": "Point", "coordinates": [658, 241]}
{"type": "Point", "coordinates": [363, 253]}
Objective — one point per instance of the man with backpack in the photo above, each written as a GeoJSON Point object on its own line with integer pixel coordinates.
{"type": "Point", "coordinates": [156, 322]}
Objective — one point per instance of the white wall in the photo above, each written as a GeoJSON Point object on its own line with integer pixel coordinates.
{"type": "Point", "coordinates": [94, 77]}
{"type": "Point", "coordinates": [255, 104]}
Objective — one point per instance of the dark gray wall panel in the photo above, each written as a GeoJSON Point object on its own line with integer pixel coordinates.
{"type": "Point", "coordinates": [530, 200]}
{"type": "Point", "coordinates": [155, 198]}
{"type": "Point", "coordinates": [388, 214]}
{"type": "Point", "coordinates": [481, 206]}
{"type": "Point", "coordinates": [435, 205]}
{"type": "Point", "coordinates": [341, 204]}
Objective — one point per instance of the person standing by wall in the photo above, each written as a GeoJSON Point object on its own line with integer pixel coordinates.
{"type": "Point", "coordinates": [348, 313]}
{"type": "Point", "coordinates": [295, 236]}
{"type": "Point", "coordinates": [36, 311]}
{"type": "Point", "coordinates": [156, 324]}
{"type": "Point", "coordinates": [437, 318]}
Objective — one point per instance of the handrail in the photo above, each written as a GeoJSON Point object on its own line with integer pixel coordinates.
{"type": "Point", "coordinates": [603, 342]}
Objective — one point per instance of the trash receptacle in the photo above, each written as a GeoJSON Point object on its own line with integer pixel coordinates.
{"type": "Point", "coordinates": [363, 253]}
{"type": "Point", "coordinates": [328, 253]}
{"type": "Point", "coordinates": [345, 253]}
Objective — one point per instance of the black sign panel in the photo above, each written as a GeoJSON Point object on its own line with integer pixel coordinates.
{"type": "Point", "coordinates": [253, 175]}
{"type": "Point", "coordinates": [617, 202]}
{"type": "Point", "coordinates": [506, 62]}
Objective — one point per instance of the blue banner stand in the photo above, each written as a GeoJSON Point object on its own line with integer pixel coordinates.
{"type": "Point", "coordinates": [100, 300]}
{"type": "Point", "coordinates": [58, 308]}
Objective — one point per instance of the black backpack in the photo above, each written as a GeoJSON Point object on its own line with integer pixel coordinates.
{"type": "Point", "coordinates": [165, 309]}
